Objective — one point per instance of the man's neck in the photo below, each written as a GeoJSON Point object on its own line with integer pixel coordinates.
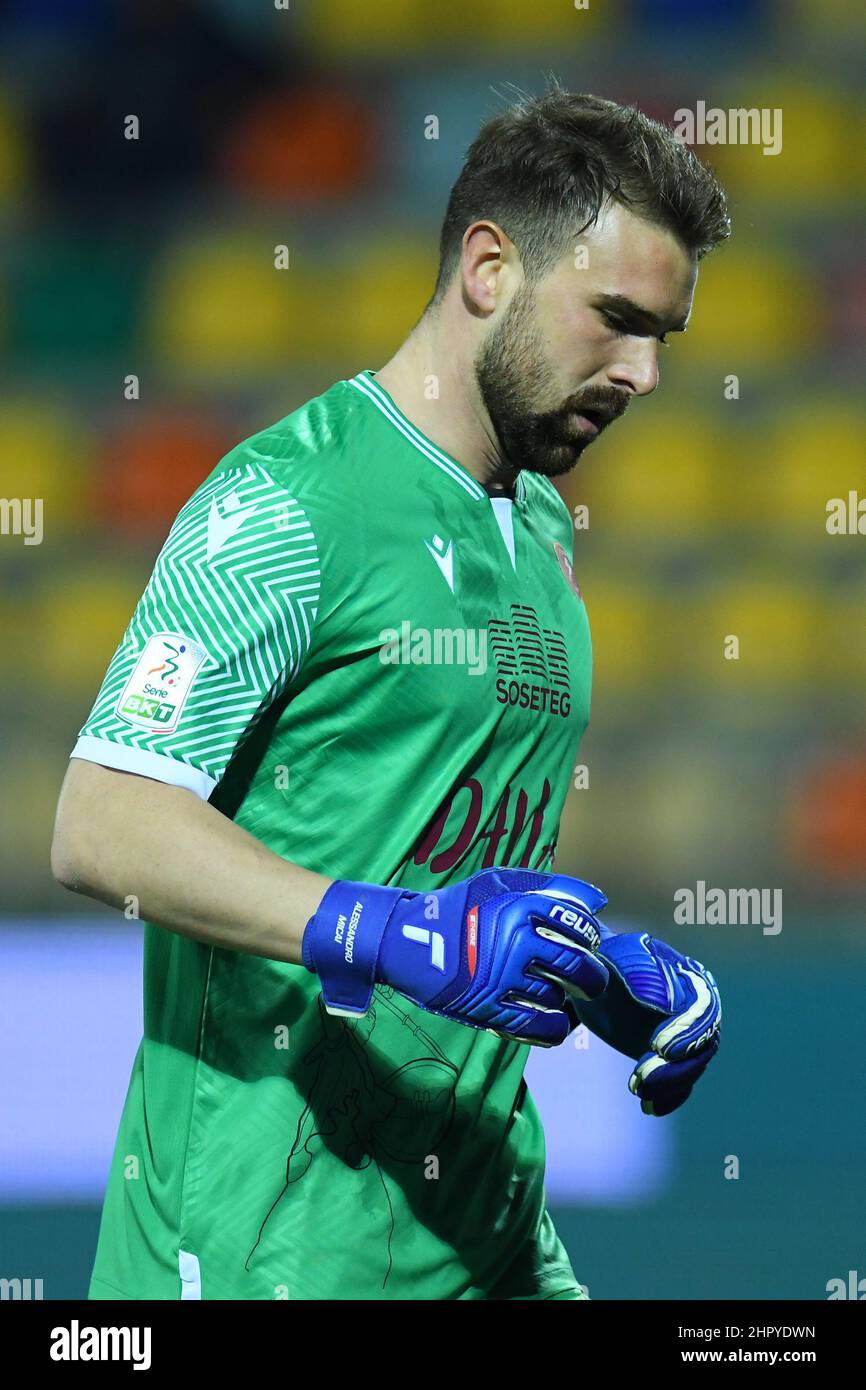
{"type": "Point", "coordinates": [435, 387]}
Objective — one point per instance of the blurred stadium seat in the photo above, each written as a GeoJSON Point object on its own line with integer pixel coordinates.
{"type": "Point", "coordinates": [148, 467]}
{"type": "Point", "coordinates": [815, 451]}
{"type": "Point", "coordinates": [15, 157]}
{"type": "Point", "coordinates": [663, 477]}
{"type": "Point", "coordinates": [392, 28]}
{"type": "Point", "coordinates": [80, 622]}
{"type": "Point", "coordinates": [302, 146]}
{"type": "Point", "coordinates": [776, 624]}
{"type": "Point", "coordinates": [219, 307]}
{"type": "Point", "coordinates": [754, 310]}
{"type": "Point", "coordinates": [75, 299]}
{"type": "Point", "coordinates": [628, 642]}
{"type": "Point", "coordinates": [46, 452]}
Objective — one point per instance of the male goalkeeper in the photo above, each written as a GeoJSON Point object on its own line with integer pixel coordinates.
{"type": "Point", "coordinates": [330, 756]}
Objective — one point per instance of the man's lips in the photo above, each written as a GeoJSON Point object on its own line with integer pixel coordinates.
{"type": "Point", "coordinates": [586, 422]}
{"type": "Point", "coordinates": [589, 421]}
{"type": "Point", "coordinates": [592, 419]}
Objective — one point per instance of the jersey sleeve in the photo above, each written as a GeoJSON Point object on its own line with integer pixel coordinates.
{"type": "Point", "coordinates": [221, 630]}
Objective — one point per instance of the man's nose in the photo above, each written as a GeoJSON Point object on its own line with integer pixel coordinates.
{"type": "Point", "coordinates": [637, 369]}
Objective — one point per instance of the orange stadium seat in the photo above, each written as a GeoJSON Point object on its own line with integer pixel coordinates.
{"type": "Point", "coordinates": [826, 817]}
{"type": "Point", "coordinates": [150, 464]}
{"type": "Point", "coordinates": [302, 146]}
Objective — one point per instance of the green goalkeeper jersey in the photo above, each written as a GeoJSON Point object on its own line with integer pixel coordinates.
{"type": "Point", "coordinates": [382, 672]}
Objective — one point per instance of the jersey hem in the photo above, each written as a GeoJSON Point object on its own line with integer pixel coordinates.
{"type": "Point", "coordinates": [112, 1295]}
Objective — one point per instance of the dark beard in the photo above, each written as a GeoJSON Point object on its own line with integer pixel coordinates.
{"type": "Point", "coordinates": [512, 375]}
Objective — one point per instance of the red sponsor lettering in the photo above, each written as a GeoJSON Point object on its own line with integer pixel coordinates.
{"type": "Point", "coordinates": [472, 947]}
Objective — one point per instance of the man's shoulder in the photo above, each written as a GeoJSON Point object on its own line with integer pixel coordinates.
{"type": "Point", "coordinates": [315, 436]}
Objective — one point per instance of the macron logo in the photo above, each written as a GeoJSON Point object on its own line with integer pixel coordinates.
{"type": "Point", "coordinates": [222, 525]}
{"type": "Point", "coordinates": [444, 558]}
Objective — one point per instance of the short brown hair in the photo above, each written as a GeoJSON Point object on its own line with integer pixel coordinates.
{"type": "Point", "coordinates": [545, 167]}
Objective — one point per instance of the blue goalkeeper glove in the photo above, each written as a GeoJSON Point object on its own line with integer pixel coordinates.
{"type": "Point", "coordinates": [661, 1008]}
{"type": "Point", "coordinates": [498, 950]}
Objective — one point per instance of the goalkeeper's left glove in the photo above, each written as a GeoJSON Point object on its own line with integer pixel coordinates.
{"type": "Point", "coordinates": [504, 949]}
{"type": "Point", "coordinates": [661, 1008]}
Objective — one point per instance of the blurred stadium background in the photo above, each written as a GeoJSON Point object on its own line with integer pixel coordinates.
{"type": "Point", "coordinates": [153, 259]}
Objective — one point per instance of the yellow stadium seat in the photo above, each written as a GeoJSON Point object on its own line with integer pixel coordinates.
{"type": "Point", "coordinates": [776, 626]}
{"type": "Point", "coordinates": [840, 655]}
{"type": "Point", "coordinates": [753, 308]}
{"type": "Point", "coordinates": [629, 644]}
{"type": "Point", "coordinates": [15, 157]}
{"type": "Point", "coordinates": [19, 634]}
{"type": "Point", "coordinates": [79, 621]}
{"type": "Point", "coordinates": [392, 26]}
{"type": "Point", "coordinates": [385, 288]}
{"type": "Point", "coordinates": [45, 453]}
{"type": "Point", "coordinates": [544, 21]}
{"type": "Point", "coordinates": [813, 454]}
{"type": "Point", "coordinates": [674, 803]}
{"type": "Point", "coordinates": [221, 308]}
{"type": "Point", "coordinates": [662, 476]}
{"type": "Point", "coordinates": [398, 27]}
{"type": "Point", "coordinates": [32, 773]}
{"type": "Point", "coordinates": [834, 18]}
{"type": "Point", "coordinates": [685, 806]}
{"type": "Point", "coordinates": [821, 155]}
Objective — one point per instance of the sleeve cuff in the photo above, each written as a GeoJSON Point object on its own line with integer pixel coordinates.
{"type": "Point", "coordinates": [144, 763]}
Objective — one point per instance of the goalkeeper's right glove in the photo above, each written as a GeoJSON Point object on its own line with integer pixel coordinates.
{"type": "Point", "coordinates": [500, 950]}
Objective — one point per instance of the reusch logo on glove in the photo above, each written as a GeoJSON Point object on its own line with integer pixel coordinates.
{"type": "Point", "coordinates": [579, 923]}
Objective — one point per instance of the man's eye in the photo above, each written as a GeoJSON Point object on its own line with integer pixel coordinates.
{"type": "Point", "coordinates": [617, 325]}
{"type": "Point", "coordinates": [624, 330]}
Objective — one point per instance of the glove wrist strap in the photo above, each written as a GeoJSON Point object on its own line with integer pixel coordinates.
{"type": "Point", "coordinates": [341, 943]}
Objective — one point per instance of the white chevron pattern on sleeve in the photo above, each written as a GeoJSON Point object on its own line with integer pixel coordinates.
{"type": "Point", "coordinates": [239, 576]}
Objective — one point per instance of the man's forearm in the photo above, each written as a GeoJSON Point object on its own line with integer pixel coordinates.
{"type": "Point", "coordinates": [188, 867]}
